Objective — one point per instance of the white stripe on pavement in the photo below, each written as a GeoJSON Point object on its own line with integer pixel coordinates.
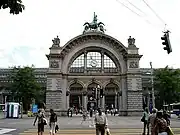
{"type": "Point", "coordinates": [5, 130]}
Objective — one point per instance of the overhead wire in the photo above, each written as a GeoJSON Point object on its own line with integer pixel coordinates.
{"type": "Point", "coordinates": [136, 7]}
{"type": "Point", "coordinates": [147, 21]}
{"type": "Point", "coordinates": [128, 8]}
{"type": "Point", "coordinates": [154, 12]}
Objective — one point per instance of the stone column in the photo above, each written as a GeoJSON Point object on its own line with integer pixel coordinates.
{"type": "Point", "coordinates": [84, 98]}
{"type": "Point", "coordinates": [103, 102]}
{"type": "Point", "coordinates": [116, 101]}
{"type": "Point", "coordinates": [120, 103]}
{"type": "Point", "coordinates": [85, 60]}
{"type": "Point", "coordinates": [55, 91]}
{"type": "Point", "coordinates": [134, 80]}
{"type": "Point", "coordinates": [67, 102]}
{"type": "Point", "coordinates": [102, 61]}
{"type": "Point", "coordinates": [85, 102]}
{"type": "Point", "coordinates": [124, 96]}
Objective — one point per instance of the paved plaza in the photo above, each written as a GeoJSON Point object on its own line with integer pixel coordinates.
{"type": "Point", "coordinates": [74, 125]}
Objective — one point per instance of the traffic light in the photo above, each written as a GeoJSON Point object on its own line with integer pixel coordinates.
{"type": "Point", "coordinates": [101, 93]}
{"type": "Point", "coordinates": [166, 42]}
{"type": "Point", "coordinates": [94, 93]}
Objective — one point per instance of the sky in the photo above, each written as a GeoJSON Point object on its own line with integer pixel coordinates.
{"type": "Point", "coordinates": [26, 38]}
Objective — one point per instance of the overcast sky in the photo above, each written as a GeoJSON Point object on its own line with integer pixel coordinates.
{"type": "Point", "coordinates": [26, 38]}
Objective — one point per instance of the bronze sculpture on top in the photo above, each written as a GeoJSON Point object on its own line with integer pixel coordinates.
{"type": "Point", "coordinates": [94, 26]}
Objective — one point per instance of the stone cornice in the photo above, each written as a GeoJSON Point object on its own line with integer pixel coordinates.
{"type": "Point", "coordinates": [90, 37]}
{"type": "Point", "coordinates": [53, 56]}
{"type": "Point", "coordinates": [53, 91]}
{"type": "Point", "coordinates": [140, 91]}
{"type": "Point", "coordinates": [132, 56]}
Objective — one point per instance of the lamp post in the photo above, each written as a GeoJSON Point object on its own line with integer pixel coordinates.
{"type": "Point", "coordinates": [152, 83]}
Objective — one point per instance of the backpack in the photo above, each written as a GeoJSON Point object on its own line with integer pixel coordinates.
{"type": "Point", "coordinates": [53, 117]}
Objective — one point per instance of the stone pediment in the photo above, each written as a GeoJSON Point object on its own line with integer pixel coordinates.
{"type": "Point", "coordinates": [93, 37]}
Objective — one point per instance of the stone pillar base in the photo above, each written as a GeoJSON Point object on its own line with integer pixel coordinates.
{"type": "Point", "coordinates": [135, 112]}
{"type": "Point", "coordinates": [131, 113]}
{"type": "Point", "coordinates": [58, 112]}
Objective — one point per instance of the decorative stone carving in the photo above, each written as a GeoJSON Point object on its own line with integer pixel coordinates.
{"type": "Point", "coordinates": [133, 64]}
{"type": "Point", "coordinates": [111, 80]}
{"type": "Point", "coordinates": [56, 41]}
{"type": "Point", "coordinates": [85, 93]}
{"type": "Point", "coordinates": [54, 64]}
{"type": "Point", "coordinates": [104, 39]}
{"type": "Point", "coordinates": [68, 93]}
{"type": "Point", "coordinates": [131, 41]}
{"type": "Point", "coordinates": [93, 80]}
{"type": "Point", "coordinates": [75, 80]}
{"type": "Point", "coordinates": [119, 93]}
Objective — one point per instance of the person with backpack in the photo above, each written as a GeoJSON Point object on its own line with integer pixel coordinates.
{"type": "Point", "coordinates": [52, 122]}
{"type": "Point", "coordinates": [144, 119]}
{"type": "Point", "coordinates": [41, 122]}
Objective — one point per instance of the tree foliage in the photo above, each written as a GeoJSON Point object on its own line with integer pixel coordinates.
{"type": "Point", "coordinates": [24, 86]}
{"type": "Point", "coordinates": [15, 6]}
{"type": "Point", "coordinates": [167, 85]}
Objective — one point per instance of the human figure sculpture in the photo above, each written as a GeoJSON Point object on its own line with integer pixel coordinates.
{"type": "Point", "coordinates": [131, 41]}
{"type": "Point", "coordinates": [56, 41]}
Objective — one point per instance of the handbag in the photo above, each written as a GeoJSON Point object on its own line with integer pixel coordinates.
{"type": "Point", "coordinates": [143, 118]}
{"type": "Point", "coordinates": [56, 128]}
{"type": "Point", "coordinates": [45, 121]}
{"type": "Point", "coordinates": [108, 131]}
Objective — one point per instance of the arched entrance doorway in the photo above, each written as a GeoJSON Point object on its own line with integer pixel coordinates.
{"type": "Point", "coordinates": [111, 96]}
{"type": "Point", "coordinates": [75, 95]}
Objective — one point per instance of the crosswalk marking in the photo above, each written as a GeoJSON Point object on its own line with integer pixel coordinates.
{"type": "Point", "coordinates": [124, 131]}
{"type": "Point", "coordinates": [5, 130]}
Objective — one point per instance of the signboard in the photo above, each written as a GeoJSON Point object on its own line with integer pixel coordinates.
{"type": "Point", "coordinates": [34, 108]}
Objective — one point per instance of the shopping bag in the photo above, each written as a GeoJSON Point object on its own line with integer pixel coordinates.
{"type": "Point", "coordinates": [108, 131]}
{"type": "Point", "coordinates": [169, 131]}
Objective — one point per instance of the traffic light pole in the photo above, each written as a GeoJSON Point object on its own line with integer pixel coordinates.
{"type": "Point", "coordinates": [152, 83]}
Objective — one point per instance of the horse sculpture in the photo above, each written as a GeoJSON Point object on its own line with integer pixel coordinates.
{"type": "Point", "coordinates": [94, 25]}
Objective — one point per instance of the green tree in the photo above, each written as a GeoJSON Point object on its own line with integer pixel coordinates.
{"type": "Point", "coordinates": [167, 85]}
{"type": "Point", "coordinates": [24, 86]}
{"type": "Point", "coordinates": [15, 6]}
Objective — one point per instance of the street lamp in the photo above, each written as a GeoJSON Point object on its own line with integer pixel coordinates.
{"type": "Point", "coordinates": [152, 83]}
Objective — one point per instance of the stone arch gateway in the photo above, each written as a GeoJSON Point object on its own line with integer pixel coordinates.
{"type": "Point", "coordinates": [92, 61]}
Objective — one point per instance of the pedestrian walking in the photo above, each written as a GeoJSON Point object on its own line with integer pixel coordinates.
{"type": "Point", "coordinates": [101, 122]}
{"type": "Point", "coordinates": [40, 117]}
{"type": "Point", "coordinates": [52, 122]}
{"type": "Point", "coordinates": [151, 121]}
{"type": "Point", "coordinates": [160, 124]}
{"type": "Point", "coordinates": [144, 119]}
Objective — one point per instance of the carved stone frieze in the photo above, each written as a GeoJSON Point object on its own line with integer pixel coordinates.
{"type": "Point", "coordinates": [102, 38]}
{"type": "Point", "coordinates": [54, 64]}
{"type": "Point", "coordinates": [133, 64]}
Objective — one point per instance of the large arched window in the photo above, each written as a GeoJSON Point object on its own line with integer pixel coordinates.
{"type": "Point", "coordinates": [93, 61]}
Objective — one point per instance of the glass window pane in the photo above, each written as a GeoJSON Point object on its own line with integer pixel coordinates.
{"type": "Point", "coordinates": [79, 61]}
{"type": "Point", "coordinates": [108, 63]}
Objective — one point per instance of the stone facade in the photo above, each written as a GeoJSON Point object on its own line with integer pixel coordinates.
{"type": "Point", "coordinates": [125, 78]}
